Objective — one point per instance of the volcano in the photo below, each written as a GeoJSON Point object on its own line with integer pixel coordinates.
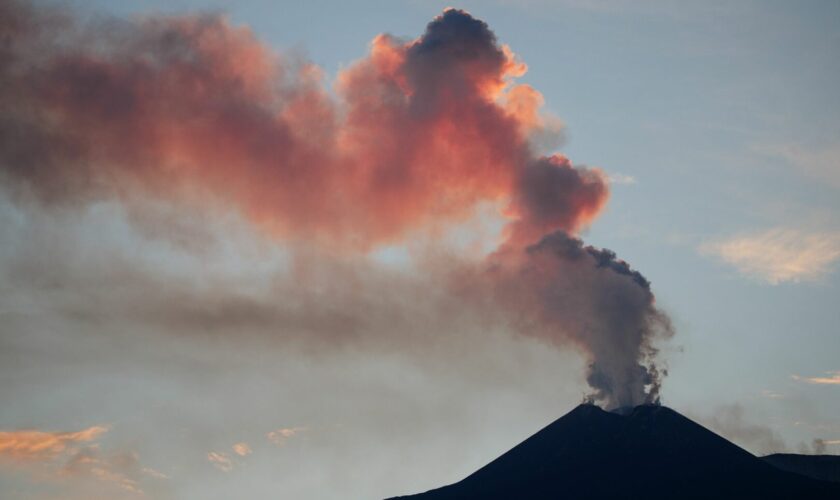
{"type": "Point", "coordinates": [646, 452]}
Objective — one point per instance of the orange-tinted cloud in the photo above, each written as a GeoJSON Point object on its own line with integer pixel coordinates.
{"type": "Point", "coordinates": [831, 378]}
{"type": "Point", "coordinates": [33, 445]}
{"type": "Point", "coordinates": [122, 470]}
{"type": "Point", "coordinates": [779, 255]}
{"type": "Point", "coordinates": [554, 195]}
{"type": "Point", "coordinates": [242, 449]}
{"type": "Point", "coordinates": [416, 135]}
{"type": "Point", "coordinates": [220, 460]}
{"type": "Point", "coordinates": [74, 456]}
{"type": "Point", "coordinates": [193, 107]}
{"type": "Point", "coordinates": [280, 436]}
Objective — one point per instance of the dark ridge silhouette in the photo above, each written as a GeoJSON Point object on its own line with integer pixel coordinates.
{"type": "Point", "coordinates": [823, 467]}
{"type": "Point", "coordinates": [649, 452]}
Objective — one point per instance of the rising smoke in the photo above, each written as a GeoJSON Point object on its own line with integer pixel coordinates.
{"type": "Point", "coordinates": [419, 133]}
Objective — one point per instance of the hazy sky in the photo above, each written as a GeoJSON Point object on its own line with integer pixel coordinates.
{"type": "Point", "coordinates": [169, 349]}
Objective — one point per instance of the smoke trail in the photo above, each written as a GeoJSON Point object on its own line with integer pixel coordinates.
{"type": "Point", "coordinates": [617, 319]}
{"type": "Point", "coordinates": [420, 132]}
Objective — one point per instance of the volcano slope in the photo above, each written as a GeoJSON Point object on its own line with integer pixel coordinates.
{"type": "Point", "coordinates": [646, 452]}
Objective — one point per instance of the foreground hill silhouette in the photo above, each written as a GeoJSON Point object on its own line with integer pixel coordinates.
{"type": "Point", "coordinates": [825, 467]}
{"type": "Point", "coordinates": [646, 452]}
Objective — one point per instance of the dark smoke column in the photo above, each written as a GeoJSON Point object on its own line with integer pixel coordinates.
{"type": "Point", "coordinates": [564, 292]}
{"type": "Point", "coordinates": [615, 318]}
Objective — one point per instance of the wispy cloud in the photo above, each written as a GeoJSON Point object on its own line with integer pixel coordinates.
{"type": "Point", "coordinates": [766, 393]}
{"type": "Point", "coordinates": [220, 460]}
{"type": "Point", "coordinates": [226, 462]}
{"type": "Point", "coordinates": [119, 469]}
{"type": "Point", "coordinates": [819, 445]}
{"type": "Point", "coordinates": [821, 163]}
{"type": "Point", "coordinates": [732, 422]}
{"type": "Point", "coordinates": [616, 178]}
{"type": "Point", "coordinates": [153, 473]}
{"type": "Point", "coordinates": [778, 255]}
{"type": "Point", "coordinates": [242, 449]}
{"type": "Point", "coordinates": [280, 436]}
{"type": "Point", "coordinates": [831, 378]}
{"type": "Point", "coordinates": [74, 456]}
{"type": "Point", "coordinates": [34, 445]}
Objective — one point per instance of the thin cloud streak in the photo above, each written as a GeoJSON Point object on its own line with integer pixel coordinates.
{"type": "Point", "coordinates": [833, 378]}
{"type": "Point", "coordinates": [778, 255]}
{"type": "Point", "coordinates": [617, 178]}
{"type": "Point", "coordinates": [771, 394]}
{"type": "Point", "coordinates": [819, 163]}
{"type": "Point", "coordinates": [280, 436]}
{"type": "Point", "coordinates": [220, 460]}
{"type": "Point", "coordinates": [34, 445]}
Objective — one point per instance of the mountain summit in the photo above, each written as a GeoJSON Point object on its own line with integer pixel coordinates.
{"type": "Point", "coordinates": [649, 452]}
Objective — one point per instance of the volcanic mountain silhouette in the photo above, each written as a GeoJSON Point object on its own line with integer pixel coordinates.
{"type": "Point", "coordinates": [646, 452]}
{"type": "Point", "coordinates": [824, 467]}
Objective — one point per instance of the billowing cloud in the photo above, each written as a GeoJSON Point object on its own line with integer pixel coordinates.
{"type": "Point", "coordinates": [572, 294]}
{"type": "Point", "coordinates": [779, 255]}
{"type": "Point", "coordinates": [830, 378]}
{"type": "Point", "coordinates": [194, 111]}
{"type": "Point", "coordinates": [195, 107]}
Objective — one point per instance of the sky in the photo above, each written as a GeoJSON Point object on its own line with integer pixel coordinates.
{"type": "Point", "coordinates": [255, 250]}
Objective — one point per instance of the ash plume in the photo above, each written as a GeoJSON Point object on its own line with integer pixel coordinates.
{"type": "Point", "coordinates": [573, 294]}
{"type": "Point", "coordinates": [416, 134]}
